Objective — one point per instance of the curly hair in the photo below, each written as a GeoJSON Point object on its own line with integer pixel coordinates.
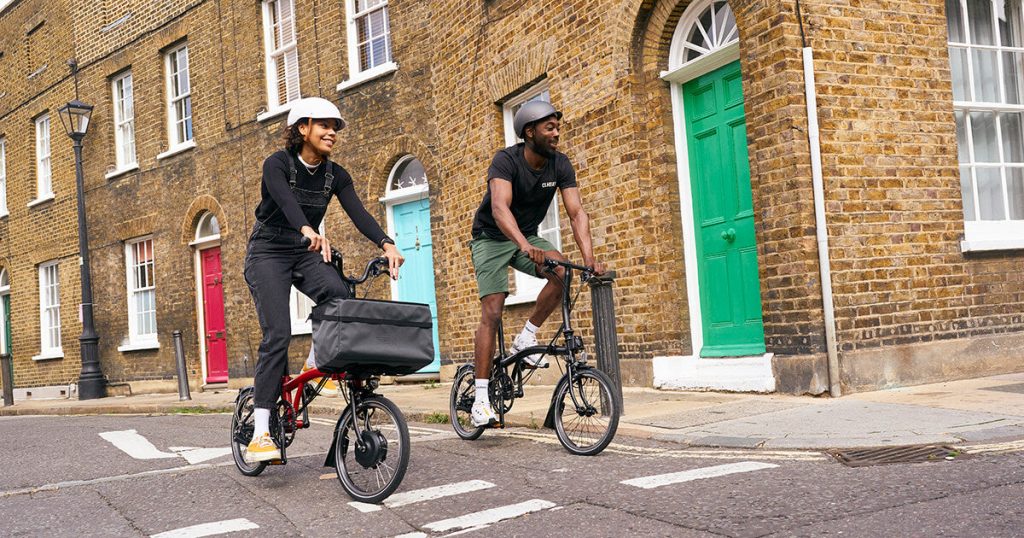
{"type": "Point", "coordinates": [292, 138]}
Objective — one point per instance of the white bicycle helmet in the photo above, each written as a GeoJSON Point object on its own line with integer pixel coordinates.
{"type": "Point", "coordinates": [316, 108]}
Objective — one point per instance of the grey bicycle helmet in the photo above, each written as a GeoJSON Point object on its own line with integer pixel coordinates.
{"type": "Point", "coordinates": [531, 112]}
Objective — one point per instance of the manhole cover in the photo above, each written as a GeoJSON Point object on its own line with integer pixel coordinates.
{"type": "Point", "coordinates": [895, 454]}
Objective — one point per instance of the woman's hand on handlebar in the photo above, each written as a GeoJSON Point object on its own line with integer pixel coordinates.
{"type": "Point", "coordinates": [317, 243]}
{"type": "Point", "coordinates": [395, 259]}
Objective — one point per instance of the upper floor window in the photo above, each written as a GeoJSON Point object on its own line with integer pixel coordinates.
{"type": "Point", "coordinates": [179, 97]}
{"type": "Point", "coordinates": [124, 121]}
{"type": "Point", "coordinates": [986, 52]}
{"type": "Point", "coordinates": [44, 181]}
{"type": "Point", "coordinates": [3, 176]}
{"type": "Point", "coordinates": [282, 56]}
{"type": "Point", "coordinates": [527, 287]}
{"type": "Point", "coordinates": [49, 311]}
{"type": "Point", "coordinates": [141, 292]}
{"type": "Point", "coordinates": [369, 35]}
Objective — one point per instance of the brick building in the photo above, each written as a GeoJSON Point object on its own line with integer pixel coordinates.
{"type": "Point", "coordinates": [688, 126]}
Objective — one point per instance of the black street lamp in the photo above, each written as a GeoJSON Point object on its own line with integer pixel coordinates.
{"type": "Point", "coordinates": [91, 383]}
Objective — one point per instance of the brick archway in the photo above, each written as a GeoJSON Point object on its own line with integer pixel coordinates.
{"type": "Point", "coordinates": [202, 204]}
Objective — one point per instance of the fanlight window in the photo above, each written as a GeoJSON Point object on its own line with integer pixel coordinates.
{"type": "Point", "coordinates": [713, 29]}
{"type": "Point", "coordinates": [208, 226]}
{"type": "Point", "coordinates": [409, 173]}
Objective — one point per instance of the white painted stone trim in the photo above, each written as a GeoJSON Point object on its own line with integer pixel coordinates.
{"type": "Point", "coordinates": [738, 374]}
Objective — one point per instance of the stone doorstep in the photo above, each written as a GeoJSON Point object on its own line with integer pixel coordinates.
{"type": "Point", "coordinates": [52, 392]}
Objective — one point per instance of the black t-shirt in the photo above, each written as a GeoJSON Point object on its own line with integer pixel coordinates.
{"type": "Point", "coordinates": [278, 206]}
{"type": "Point", "coordinates": [532, 190]}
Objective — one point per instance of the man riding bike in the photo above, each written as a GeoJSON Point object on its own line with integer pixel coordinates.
{"type": "Point", "coordinates": [521, 183]}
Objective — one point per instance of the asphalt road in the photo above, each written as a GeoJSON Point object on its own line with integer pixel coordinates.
{"type": "Point", "coordinates": [83, 476]}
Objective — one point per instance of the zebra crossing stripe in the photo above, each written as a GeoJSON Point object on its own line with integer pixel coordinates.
{"type": "Point", "coordinates": [655, 481]}
{"type": "Point", "coordinates": [209, 529]}
{"type": "Point", "coordinates": [425, 494]}
{"type": "Point", "coordinates": [487, 517]}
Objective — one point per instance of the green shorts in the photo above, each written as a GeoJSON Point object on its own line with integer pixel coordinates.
{"type": "Point", "coordinates": [491, 259]}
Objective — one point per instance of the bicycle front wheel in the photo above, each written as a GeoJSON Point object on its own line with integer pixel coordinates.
{"type": "Point", "coordinates": [372, 456]}
{"type": "Point", "coordinates": [241, 434]}
{"type": "Point", "coordinates": [460, 405]}
{"type": "Point", "coordinates": [586, 412]}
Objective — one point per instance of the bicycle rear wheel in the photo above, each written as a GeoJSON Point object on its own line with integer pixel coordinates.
{"type": "Point", "coordinates": [587, 428]}
{"type": "Point", "coordinates": [460, 405]}
{"type": "Point", "coordinates": [371, 459]}
{"type": "Point", "coordinates": [241, 434]}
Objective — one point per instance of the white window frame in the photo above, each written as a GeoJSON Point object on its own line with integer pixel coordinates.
{"type": "Point", "coordinates": [287, 52]}
{"type": "Point", "coordinates": [175, 139]}
{"type": "Point", "coordinates": [527, 287]}
{"type": "Point", "coordinates": [980, 235]}
{"type": "Point", "coordinates": [137, 339]}
{"type": "Point", "coordinates": [357, 72]}
{"type": "Point", "coordinates": [122, 89]}
{"type": "Point", "coordinates": [300, 306]}
{"type": "Point", "coordinates": [49, 312]}
{"type": "Point", "coordinates": [44, 172]}
{"type": "Point", "coordinates": [3, 177]}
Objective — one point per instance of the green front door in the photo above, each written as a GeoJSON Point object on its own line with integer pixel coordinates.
{"type": "Point", "coordinates": [723, 213]}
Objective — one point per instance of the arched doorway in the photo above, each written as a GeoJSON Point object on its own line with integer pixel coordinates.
{"type": "Point", "coordinates": [5, 317]}
{"type": "Point", "coordinates": [716, 205]}
{"type": "Point", "coordinates": [210, 299]}
{"type": "Point", "coordinates": [408, 211]}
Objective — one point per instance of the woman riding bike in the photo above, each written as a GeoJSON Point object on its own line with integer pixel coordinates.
{"type": "Point", "coordinates": [298, 182]}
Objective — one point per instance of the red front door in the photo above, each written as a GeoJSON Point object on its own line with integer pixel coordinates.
{"type": "Point", "coordinates": [213, 309]}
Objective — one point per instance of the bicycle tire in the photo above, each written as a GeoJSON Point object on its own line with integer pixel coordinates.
{"type": "Point", "coordinates": [577, 429]}
{"type": "Point", "coordinates": [241, 434]}
{"type": "Point", "coordinates": [361, 472]}
{"type": "Point", "coordinates": [460, 405]}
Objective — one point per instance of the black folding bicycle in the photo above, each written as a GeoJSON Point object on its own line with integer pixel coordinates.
{"type": "Point", "coordinates": [585, 409]}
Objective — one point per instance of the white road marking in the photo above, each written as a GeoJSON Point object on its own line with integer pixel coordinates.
{"type": "Point", "coordinates": [135, 445]}
{"type": "Point", "coordinates": [487, 517]}
{"type": "Point", "coordinates": [650, 482]}
{"type": "Point", "coordinates": [198, 455]}
{"type": "Point", "coordinates": [425, 494]}
{"type": "Point", "coordinates": [209, 529]}
{"type": "Point", "coordinates": [412, 535]}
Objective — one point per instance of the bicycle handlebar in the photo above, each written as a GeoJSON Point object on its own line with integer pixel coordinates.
{"type": "Point", "coordinates": [374, 268]}
{"type": "Point", "coordinates": [585, 272]}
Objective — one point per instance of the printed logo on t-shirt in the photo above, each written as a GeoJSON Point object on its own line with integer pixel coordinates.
{"type": "Point", "coordinates": [548, 184]}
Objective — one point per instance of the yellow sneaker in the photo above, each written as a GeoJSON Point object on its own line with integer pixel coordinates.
{"type": "Point", "coordinates": [330, 388]}
{"type": "Point", "coordinates": [262, 448]}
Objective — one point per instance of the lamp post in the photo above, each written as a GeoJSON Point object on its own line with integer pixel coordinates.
{"type": "Point", "coordinates": [91, 383]}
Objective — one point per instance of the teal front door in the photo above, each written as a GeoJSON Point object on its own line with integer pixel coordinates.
{"type": "Point", "coordinates": [723, 213]}
{"type": "Point", "coordinates": [416, 278]}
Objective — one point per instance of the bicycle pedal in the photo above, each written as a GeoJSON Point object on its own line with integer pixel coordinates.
{"type": "Point", "coordinates": [276, 462]}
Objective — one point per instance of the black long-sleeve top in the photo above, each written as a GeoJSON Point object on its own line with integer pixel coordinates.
{"type": "Point", "coordinates": [278, 206]}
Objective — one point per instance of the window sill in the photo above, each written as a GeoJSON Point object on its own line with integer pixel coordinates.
{"type": "Point", "coordinates": [298, 331]}
{"type": "Point", "coordinates": [521, 299]}
{"type": "Point", "coordinates": [43, 200]}
{"type": "Point", "coordinates": [121, 171]}
{"type": "Point", "coordinates": [139, 346]}
{"type": "Point", "coordinates": [47, 355]}
{"type": "Point", "coordinates": [177, 149]}
{"type": "Point", "coordinates": [368, 75]}
{"type": "Point", "coordinates": [985, 245]}
{"type": "Point", "coordinates": [275, 112]}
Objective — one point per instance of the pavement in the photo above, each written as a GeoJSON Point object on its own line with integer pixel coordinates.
{"type": "Point", "coordinates": [982, 412]}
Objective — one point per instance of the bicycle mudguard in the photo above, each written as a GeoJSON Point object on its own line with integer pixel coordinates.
{"type": "Point", "coordinates": [329, 462]}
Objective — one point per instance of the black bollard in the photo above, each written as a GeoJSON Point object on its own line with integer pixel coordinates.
{"type": "Point", "coordinates": [7, 369]}
{"type": "Point", "coordinates": [606, 341]}
{"type": "Point", "coordinates": [179, 356]}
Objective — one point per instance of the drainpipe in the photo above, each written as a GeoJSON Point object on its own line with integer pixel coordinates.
{"type": "Point", "coordinates": [821, 231]}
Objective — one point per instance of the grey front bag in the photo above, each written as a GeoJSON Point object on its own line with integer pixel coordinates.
{"type": "Point", "coordinates": [366, 336]}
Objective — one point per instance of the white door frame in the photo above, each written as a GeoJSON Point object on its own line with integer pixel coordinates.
{"type": "Point", "coordinates": [395, 197]}
{"type": "Point", "coordinates": [688, 372]}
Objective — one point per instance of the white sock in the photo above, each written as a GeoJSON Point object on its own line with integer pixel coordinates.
{"type": "Point", "coordinates": [311, 359]}
{"type": "Point", "coordinates": [261, 417]}
{"type": "Point", "coordinates": [529, 329]}
{"type": "Point", "coordinates": [481, 390]}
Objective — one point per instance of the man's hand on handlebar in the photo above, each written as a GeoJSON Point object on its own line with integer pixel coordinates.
{"type": "Point", "coordinates": [395, 259]}
{"type": "Point", "coordinates": [317, 243]}
{"type": "Point", "coordinates": [536, 254]}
